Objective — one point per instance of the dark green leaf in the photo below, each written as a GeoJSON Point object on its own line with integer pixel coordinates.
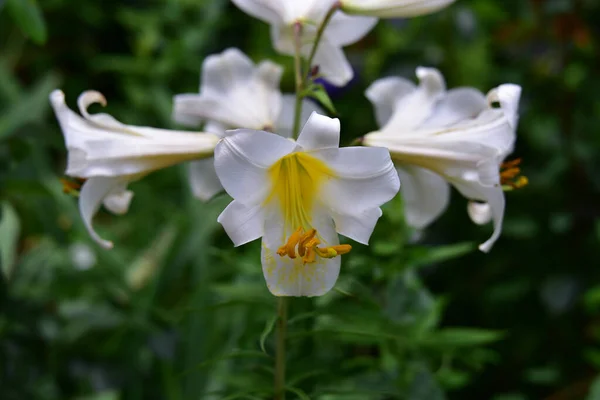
{"type": "Point", "coordinates": [29, 17]}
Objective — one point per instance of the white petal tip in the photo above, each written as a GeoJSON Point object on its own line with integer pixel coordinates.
{"type": "Point", "coordinates": [57, 97]}
{"type": "Point", "coordinates": [105, 244]}
{"type": "Point", "coordinates": [485, 247]}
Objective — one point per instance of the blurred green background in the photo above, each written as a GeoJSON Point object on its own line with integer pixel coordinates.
{"type": "Point", "coordinates": [175, 312]}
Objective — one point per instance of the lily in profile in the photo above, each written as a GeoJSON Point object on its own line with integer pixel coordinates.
{"type": "Point", "coordinates": [438, 137]}
{"type": "Point", "coordinates": [289, 18]}
{"type": "Point", "coordinates": [235, 93]}
{"type": "Point", "coordinates": [298, 196]}
{"type": "Point", "coordinates": [393, 8]}
{"type": "Point", "coordinates": [108, 155]}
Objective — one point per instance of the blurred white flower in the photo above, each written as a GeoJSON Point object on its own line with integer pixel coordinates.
{"type": "Point", "coordinates": [82, 256]}
{"type": "Point", "coordinates": [341, 31]}
{"type": "Point", "coordinates": [235, 93]}
{"type": "Point", "coordinates": [109, 154]}
{"type": "Point", "coordinates": [393, 8]}
{"type": "Point", "coordinates": [437, 136]}
{"type": "Point", "coordinates": [297, 195]}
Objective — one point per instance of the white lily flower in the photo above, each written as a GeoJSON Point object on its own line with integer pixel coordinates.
{"type": "Point", "coordinates": [341, 31]}
{"type": "Point", "coordinates": [109, 154]}
{"type": "Point", "coordinates": [235, 93]}
{"type": "Point", "coordinates": [394, 8]}
{"type": "Point", "coordinates": [297, 195]}
{"type": "Point", "coordinates": [437, 136]}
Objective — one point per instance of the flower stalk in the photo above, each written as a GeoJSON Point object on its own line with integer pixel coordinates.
{"type": "Point", "coordinates": [280, 348]}
{"type": "Point", "coordinates": [303, 77]}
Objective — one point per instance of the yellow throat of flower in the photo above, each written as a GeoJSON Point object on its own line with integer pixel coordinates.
{"type": "Point", "coordinates": [296, 180]}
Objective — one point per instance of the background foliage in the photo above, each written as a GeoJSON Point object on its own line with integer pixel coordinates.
{"type": "Point", "coordinates": [175, 312]}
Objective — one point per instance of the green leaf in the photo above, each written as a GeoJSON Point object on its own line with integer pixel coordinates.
{"type": "Point", "coordinates": [318, 92]}
{"type": "Point", "coordinates": [29, 107]}
{"type": "Point", "coordinates": [29, 17]}
{"type": "Point", "coordinates": [301, 395]}
{"type": "Point", "coordinates": [460, 337]}
{"type": "Point", "coordinates": [594, 393]}
{"type": "Point", "coordinates": [10, 228]}
{"type": "Point", "coordinates": [421, 256]}
{"type": "Point", "coordinates": [265, 333]}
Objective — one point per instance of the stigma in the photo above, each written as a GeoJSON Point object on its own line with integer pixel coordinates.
{"type": "Point", "coordinates": [305, 244]}
{"type": "Point", "coordinates": [510, 177]}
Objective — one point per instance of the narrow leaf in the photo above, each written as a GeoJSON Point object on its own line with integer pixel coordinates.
{"type": "Point", "coordinates": [28, 16]}
{"type": "Point", "coordinates": [461, 337]}
{"type": "Point", "coordinates": [10, 228]}
{"type": "Point", "coordinates": [265, 333]}
{"type": "Point", "coordinates": [319, 93]}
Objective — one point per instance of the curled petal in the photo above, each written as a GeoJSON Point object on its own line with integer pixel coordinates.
{"type": "Point", "coordinates": [99, 145]}
{"type": "Point", "coordinates": [508, 96]}
{"type": "Point", "coordinates": [92, 193]}
{"type": "Point", "coordinates": [494, 197]}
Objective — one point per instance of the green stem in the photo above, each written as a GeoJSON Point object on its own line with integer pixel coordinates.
{"type": "Point", "coordinates": [336, 6]}
{"type": "Point", "coordinates": [280, 348]}
{"type": "Point", "coordinates": [299, 78]}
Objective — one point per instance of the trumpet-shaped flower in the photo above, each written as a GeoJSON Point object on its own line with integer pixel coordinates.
{"type": "Point", "coordinates": [393, 8]}
{"type": "Point", "coordinates": [341, 31]}
{"type": "Point", "coordinates": [109, 154]}
{"type": "Point", "coordinates": [235, 93]}
{"type": "Point", "coordinates": [437, 136]}
{"type": "Point", "coordinates": [298, 196]}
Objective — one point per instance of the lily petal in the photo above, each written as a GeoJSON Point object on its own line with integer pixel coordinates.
{"type": "Point", "coordinates": [99, 145]}
{"type": "Point", "coordinates": [385, 93]}
{"type": "Point", "coordinates": [480, 213]}
{"type": "Point", "coordinates": [243, 224]}
{"type": "Point", "coordinates": [333, 64]}
{"type": "Point", "coordinates": [285, 123]}
{"type": "Point", "coordinates": [203, 179]}
{"type": "Point", "coordinates": [425, 194]}
{"type": "Point", "coordinates": [118, 200]}
{"type": "Point", "coordinates": [92, 193]}
{"type": "Point", "coordinates": [394, 8]}
{"type": "Point", "coordinates": [233, 92]}
{"type": "Point", "coordinates": [242, 159]}
{"type": "Point", "coordinates": [412, 110]}
{"type": "Point", "coordinates": [358, 226]}
{"type": "Point", "coordinates": [358, 186]}
{"type": "Point", "coordinates": [320, 132]}
{"type": "Point", "coordinates": [344, 30]}
{"type": "Point", "coordinates": [292, 277]}
{"type": "Point", "coordinates": [494, 197]}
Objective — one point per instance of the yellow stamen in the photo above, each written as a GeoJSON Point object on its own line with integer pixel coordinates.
{"type": "Point", "coordinates": [71, 186]}
{"type": "Point", "coordinates": [289, 248]}
{"type": "Point", "coordinates": [305, 244]}
{"type": "Point", "coordinates": [509, 175]}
